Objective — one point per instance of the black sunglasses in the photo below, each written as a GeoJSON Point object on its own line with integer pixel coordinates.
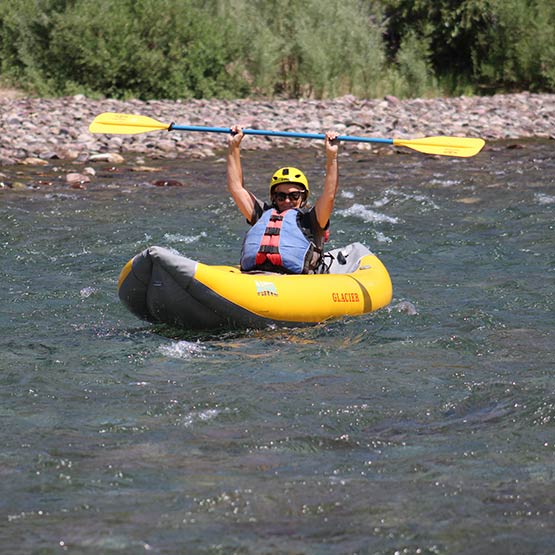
{"type": "Point", "coordinates": [295, 195]}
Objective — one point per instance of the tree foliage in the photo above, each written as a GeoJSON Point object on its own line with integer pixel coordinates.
{"type": "Point", "coordinates": [493, 45]}
{"type": "Point", "coordinates": [294, 48]}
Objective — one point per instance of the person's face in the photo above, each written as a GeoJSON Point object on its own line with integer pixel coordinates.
{"type": "Point", "coordinates": [288, 195]}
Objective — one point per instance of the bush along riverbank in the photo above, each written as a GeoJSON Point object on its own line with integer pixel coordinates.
{"type": "Point", "coordinates": [295, 48]}
{"type": "Point", "coordinates": [38, 132]}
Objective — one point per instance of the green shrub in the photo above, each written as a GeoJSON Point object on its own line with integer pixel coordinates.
{"type": "Point", "coordinates": [485, 45]}
{"type": "Point", "coordinates": [142, 48]}
{"type": "Point", "coordinates": [518, 48]}
{"type": "Point", "coordinates": [294, 48]}
{"type": "Point", "coordinates": [25, 30]}
{"type": "Point", "coordinates": [309, 48]}
{"type": "Point", "coordinates": [415, 75]}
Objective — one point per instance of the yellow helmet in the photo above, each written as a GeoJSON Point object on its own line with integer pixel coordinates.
{"type": "Point", "coordinates": [289, 175]}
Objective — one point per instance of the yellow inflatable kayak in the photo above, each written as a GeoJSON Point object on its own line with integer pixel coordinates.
{"type": "Point", "coordinates": [161, 286]}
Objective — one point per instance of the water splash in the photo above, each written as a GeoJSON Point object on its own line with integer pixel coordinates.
{"type": "Point", "coordinates": [182, 349]}
{"type": "Point", "coordinates": [542, 198]}
{"type": "Point", "coordinates": [367, 215]}
{"type": "Point", "coordinates": [187, 239]}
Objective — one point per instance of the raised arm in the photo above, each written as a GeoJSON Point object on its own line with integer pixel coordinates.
{"type": "Point", "coordinates": [324, 204]}
{"type": "Point", "coordinates": [243, 199]}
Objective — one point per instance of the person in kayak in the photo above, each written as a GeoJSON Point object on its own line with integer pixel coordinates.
{"type": "Point", "coordinates": [285, 236]}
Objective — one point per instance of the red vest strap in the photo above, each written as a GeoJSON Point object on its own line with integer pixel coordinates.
{"type": "Point", "coordinates": [269, 246]}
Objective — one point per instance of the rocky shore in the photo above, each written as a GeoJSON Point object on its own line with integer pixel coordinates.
{"type": "Point", "coordinates": [41, 131]}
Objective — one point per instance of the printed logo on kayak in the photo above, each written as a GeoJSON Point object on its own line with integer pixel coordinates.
{"type": "Point", "coordinates": [337, 297]}
{"type": "Point", "coordinates": [266, 289]}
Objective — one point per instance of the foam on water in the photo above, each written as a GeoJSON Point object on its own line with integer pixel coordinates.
{"type": "Point", "coordinates": [542, 198]}
{"type": "Point", "coordinates": [182, 349]}
{"type": "Point", "coordinates": [444, 182]}
{"type": "Point", "coordinates": [187, 239]}
{"type": "Point", "coordinates": [394, 195]}
{"type": "Point", "coordinates": [366, 214]}
{"type": "Point", "coordinates": [195, 417]}
{"type": "Point", "coordinates": [346, 194]}
{"type": "Point", "coordinates": [381, 237]}
{"type": "Point", "coordinates": [87, 292]}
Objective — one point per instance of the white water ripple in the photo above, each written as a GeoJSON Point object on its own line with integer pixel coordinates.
{"type": "Point", "coordinates": [193, 417]}
{"type": "Point", "coordinates": [392, 195]}
{"type": "Point", "coordinates": [182, 349]}
{"type": "Point", "coordinates": [367, 215]}
{"type": "Point", "coordinates": [542, 198]}
{"type": "Point", "coordinates": [187, 239]}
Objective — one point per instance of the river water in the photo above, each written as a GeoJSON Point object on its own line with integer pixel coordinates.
{"type": "Point", "coordinates": [392, 433]}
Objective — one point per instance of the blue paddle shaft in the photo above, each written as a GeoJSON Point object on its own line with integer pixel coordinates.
{"type": "Point", "coordinates": [290, 134]}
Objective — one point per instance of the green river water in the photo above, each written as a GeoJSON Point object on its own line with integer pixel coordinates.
{"type": "Point", "coordinates": [391, 433]}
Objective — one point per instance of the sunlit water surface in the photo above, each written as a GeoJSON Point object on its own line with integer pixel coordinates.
{"type": "Point", "coordinates": [391, 433]}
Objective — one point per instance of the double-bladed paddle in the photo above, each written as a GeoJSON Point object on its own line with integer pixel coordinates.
{"type": "Point", "coordinates": [130, 124]}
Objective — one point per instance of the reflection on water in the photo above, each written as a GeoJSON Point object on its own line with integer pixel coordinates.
{"type": "Point", "coordinates": [424, 428]}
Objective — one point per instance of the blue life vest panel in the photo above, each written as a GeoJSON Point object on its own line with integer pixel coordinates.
{"type": "Point", "coordinates": [277, 240]}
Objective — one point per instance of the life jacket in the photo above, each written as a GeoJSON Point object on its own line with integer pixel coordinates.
{"type": "Point", "coordinates": [276, 242]}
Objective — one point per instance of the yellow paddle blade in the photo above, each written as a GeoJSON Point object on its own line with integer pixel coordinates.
{"type": "Point", "coordinates": [445, 146]}
{"type": "Point", "coordinates": [124, 124]}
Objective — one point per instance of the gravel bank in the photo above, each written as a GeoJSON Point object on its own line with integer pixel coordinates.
{"type": "Point", "coordinates": [35, 131]}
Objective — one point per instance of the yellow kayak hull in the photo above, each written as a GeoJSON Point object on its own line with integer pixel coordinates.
{"type": "Point", "coordinates": [160, 286]}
